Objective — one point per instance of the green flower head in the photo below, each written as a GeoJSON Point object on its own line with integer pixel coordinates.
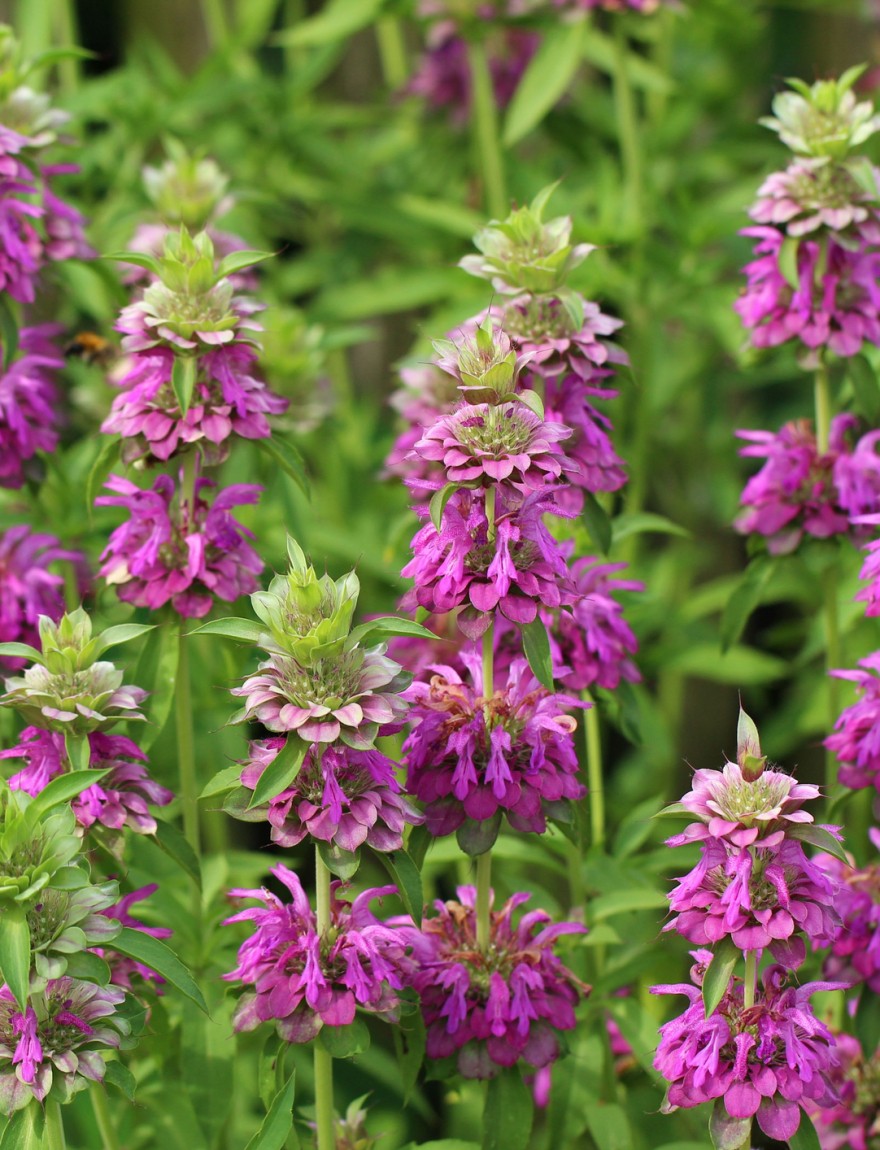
{"type": "Point", "coordinates": [307, 617]}
{"type": "Point", "coordinates": [524, 254]}
{"type": "Point", "coordinates": [186, 189]}
{"type": "Point", "coordinates": [823, 120]}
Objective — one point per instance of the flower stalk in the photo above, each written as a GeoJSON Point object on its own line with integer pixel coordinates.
{"type": "Point", "coordinates": [833, 654]}
{"type": "Point", "coordinates": [103, 1119]}
{"type": "Point", "coordinates": [323, 1061]}
{"type": "Point", "coordinates": [186, 763]}
{"type": "Point", "coordinates": [54, 1128]}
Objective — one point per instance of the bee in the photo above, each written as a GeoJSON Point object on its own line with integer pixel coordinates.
{"type": "Point", "coordinates": [91, 348]}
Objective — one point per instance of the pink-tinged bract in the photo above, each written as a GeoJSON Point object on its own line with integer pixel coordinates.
{"type": "Point", "coordinates": [304, 982]}
{"type": "Point", "coordinates": [812, 194]}
{"type": "Point", "coordinates": [855, 948]}
{"type": "Point", "coordinates": [765, 1061]}
{"type": "Point", "coordinates": [341, 796]}
{"type": "Point", "coordinates": [856, 736]}
{"type": "Point", "coordinates": [177, 552]}
{"type": "Point", "coordinates": [29, 404]}
{"type": "Point", "coordinates": [490, 1009]}
{"type": "Point", "coordinates": [119, 799]}
{"type": "Point", "coordinates": [469, 757]}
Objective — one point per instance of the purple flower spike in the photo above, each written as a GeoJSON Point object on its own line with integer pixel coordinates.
{"type": "Point", "coordinates": [469, 757]}
{"type": "Point", "coordinates": [340, 796]}
{"type": "Point", "coordinates": [488, 444]}
{"type": "Point", "coordinates": [28, 588]}
{"type": "Point", "coordinates": [171, 552]}
{"type": "Point", "coordinates": [855, 949]}
{"type": "Point", "coordinates": [851, 1121]}
{"type": "Point", "coordinates": [765, 1061]}
{"type": "Point", "coordinates": [29, 404]}
{"type": "Point", "coordinates": [490, 1009]}
{"type": "Point", "coordinates": [58, 1043]}
{"type": "Point", "coordinates": [303, 981]}
{"type": "Point", "coordinates": [121, 797]}
{"type": "Point", "coordinates": [856, 736]}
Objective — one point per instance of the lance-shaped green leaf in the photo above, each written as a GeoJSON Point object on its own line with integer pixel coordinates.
{"type": "Point", "coordinates": [385, 627]}
{"type": "Point", "coordinates": [598, 522]}
{"type": "Point", "coordinates": [748, 748]}
{"type": "Point", "coordinates": [286, 456]}
{"type": "Point", "coordinates": [176, 845]}
{"type": "Point", "coordinates": [438, 503]}
{"type": "Point", "coordinates": [507, 1120]}
{"type": "Point", "coordinates": [719, 972]}
{"type": "Point", "coordinates": [161, 958]}
{"type": "Point", "coordinates": [15, 952]}
{"type": "Point", "coordinates": [238, 261]}
{"type": "Point", "coordinates": [545, 80]}
{"type": "Point", "coordinates": [728, 1133]}
{"type": "Point", "coordinates": [278, 1123]}
{"type": "Point", "coordinates": [139, 259]}
{"type": "Point", "coordinates": [61, 790]}
{"type": "Point", "coordinates": [406, 877]}
{"type": "Point", "coordinates": [20, 651]}
{"type": "Point", "coordinates": [817, 837]}
{"type": "Point", "coordinates": [8, 331]}
{"type": "Point", "coordinates": [223, 781]}
{"type": "Point", "coordinates": [100, 469]}
{"type": "Point", "coordinates": [536, 644]}
{"type": "Point", "coordinates": [244, 630]}
{"type": "Point", "coordinates": [123, 633]}
{"type": "Point", "coordinates": [281, 772]}
{"type": "Point", "coordinates": [183, 380]}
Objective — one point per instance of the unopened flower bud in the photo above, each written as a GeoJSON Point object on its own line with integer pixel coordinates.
{"type": "Point", "coordinates": [186, 190]}
{"type": "Point", "coordinates": [823, 119]}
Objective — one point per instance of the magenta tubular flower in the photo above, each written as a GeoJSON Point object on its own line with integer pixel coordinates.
{"type": "Point", "coordinates": [119, 799]}
{"type": "Point", "coordinates": [488, 444]}
{"type": "Point", "coordinates": [492, 1008]}
{"type": "Point", "coordinates": [857, 476]}
{"type": "Point", "coordinates": [227, 400]}
{"type": "Point", "coordinates": [63, 225]}
{"type": "Point", "coordinates": [303, 981]}
{"type": "Point", "coordinates": [852, 1122]}
{"type": "Point", "coordinates": [29, 403]}
{"type": "Point", "coordinates": [469, 757]}
{"type": "Point", "coordinates": [426, 394]}
{"type": "Point", "coordinates": [870, 571]}
{"type": "Point", "coordinates": [765, 1061]}
{"type": "Point", "coordinates": [354, 696]}
{"type": "Point", "coordinates": [594, 464]}
{"type": "Point", "coordinates": [340, 796]}
{"type": "Point", "coordinates": [172, 552]}
{"type": "Point", "coordinates": [595, 644]}
{"type": "Point", "coordinates": [522, 568]}
{"type": "Point", "coordinates": [760, 896]}
{"type": "Point", "coordinates": [856, 736]}
{"type": "Point", "coordinates": [21, 248]}
{"type": "Point", "coordinates": [838, 309]}
{"type": "Point", "coordinates": [794, 492]}
{"type": "Point", "coordinates": [122, 968]}
{"type": "Point", "coordinates": [28, 588]}
{"type": "Point", "coordinates": [58, 1044]}
{"type": "Point", "coordinates": [855, 949]}
{"type": "Point", "coordinates": [542, 327]}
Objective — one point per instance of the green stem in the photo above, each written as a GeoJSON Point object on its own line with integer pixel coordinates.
{"type": "Point", "coordinates": [485, 126]}
{"type": "Point", "coordinates": [54, 1129]}
{"type": "Point", "coordinates": [627, 126]}
{"type": "Point", "coordinates": [214, 19]}
{"type": "Point", "coordinates": [484, 899]}
{"type": "Point", "coordinates": [102, 1116]}
{"type": "Point", "coordinates": [392, 52]}
{"type": "Point", "coordinates": [186, 761]}
{"type": "Point", "coordinates": [751, 978]}
{"type": "Point", "coordinates": [323, 1060]}
{"type": "Point", "coordinates": [595, 781]}
{"type": "Point", "coordinates": [190, 474]}
{"type": "Point", "coordinates": [66, 36]}
{"type": "Point", "coordinates": [833, 653]}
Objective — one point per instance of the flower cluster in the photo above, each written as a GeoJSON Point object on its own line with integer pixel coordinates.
{"type": "Point", "coordinates": [28, 588]}
{"type": "Point", "coordinates": [852, 1122]}
{"type": "Point", "coordinates": [817, 227]}
{"type": "Point", "coordinates": [855, 949]}
{"type": "Point", "coordinates": [753, 881]}
{"type": "Point", "coordinates": [57, 1045]}
{"type": "Point", "coordinates": [856, 736]}
{"type": "Point", "coordinates": [304, 979]}
{"type": "Point", "coordinates": [119, 799]}
{"type": "Point", "coordinates": [340, 796]}
{"type": "Point", "coordinates": [766, 1059]}
{"type": "Point", "coordinates": [179, 550]}
{"type": "Point", "coordinates": [492, 1008]}
{"type": "Point", "coordinates": [470, 757]}
{"type": "Point", "coordinates": [28, 404]}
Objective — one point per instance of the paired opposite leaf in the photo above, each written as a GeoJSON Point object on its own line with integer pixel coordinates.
{"type": "Point", "coordinates": [719, 972]}
{"type": "Point", "coordinates": [183, 380]}
{"type": "Point", "coordinates": [536, 644]}
{"type": "Point", "coordinates": [15, 952]}
{"type": "Point", "coordinates": [161, 958]}
{"type": "Point", "coordinates": [281, 772]}
{"type": "Point", "coordinates": [408, 880]}
{"type": "Point", "coordinates": [276, 1126]}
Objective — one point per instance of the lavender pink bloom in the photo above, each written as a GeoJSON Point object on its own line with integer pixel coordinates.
{"type": "Point", "coordinates": [120, 799]}
{"type": "Point", "coordinates": [172, 552]}
{"type": "Point", "coordinates": [760, 897]}
{"type": "Point", "coordinates": [838, 309]}
{"type": "Point", "coordinates": [852, 1122]}
{"type": "Point", "coordinates": [29, 403]}
{"type": "Point", "coordinates": [304, 982]}
{"type": "Point", "coordinates": [594, 465]}
{"type": "Point", "coordinates": [765, 1061]}
{"type": "Point", "coordinates": [540, 327]}
{"type": "Point", "coordinates": [228, 400]}
{"type": "Point", "coordinates": [490, 1009]}
{"type": "Point", "coordinates": [28, 588]}
{"type": "Point", "coordinates": [812, 194]}
{"type": "Point", "coordinates": [58, 1042]}
{"type": "Point", "coordinates": [522, 568]}
{"type": "Point", "coordinates": [855, 949]}
{"type": "Point", "coordinates": [341, 796]}
{"type": "Point", "coordinates": [469, 757]}
{"type": "Point", "coordinates": [856, 736]}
